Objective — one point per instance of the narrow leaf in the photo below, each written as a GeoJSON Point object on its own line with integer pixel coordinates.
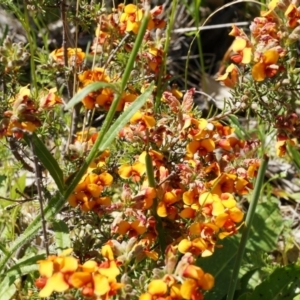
{"type": "Point", "coordinates": [7, 289]}
{"type": "Point", "coordinates": [23, 267]}
{"type": "Point", "coordinates": [295, 155]}
{"type": "Point", "coordinates": [88, 89]}
{"type": "Point", "coordinates": [46, 158]}
{"type": "Point", "coordinates": [125, 117]}
{"type": "Point", "coordinates": [62, 238]}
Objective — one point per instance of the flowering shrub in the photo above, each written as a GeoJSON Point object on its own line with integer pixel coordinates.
{"type": "Point", "coordinates": [267, 54]}
{"type": "Point", "coordinates": [157, 188]}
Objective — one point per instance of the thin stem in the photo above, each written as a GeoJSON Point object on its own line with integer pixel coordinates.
{"type": "Point", "coordinates": [159, 225]}
{"type": "Point", "coordinates": [94, 151]}
{"type": "Point", "coordinates": [32, 45]}
{"type": "Point", "coordinates": [247, 227]}
{"type": "Point", "coordinates": [40, 197]}
{"type": "Point", "coordinates": [112, 54]}
{"type": "Point", "coordinates": [162, 71]}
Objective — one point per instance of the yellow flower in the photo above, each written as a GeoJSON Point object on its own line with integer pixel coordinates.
{"type": "Point", "coordinates": [50, 100]}
{"type": "Point", "coordinates": [157, 288]}
{"type": "Point", "coordinates": [293, 15]}
{"type": "Point", "coordinates": [54, 268]}
{"type": "Point", "coordinates": [133, 172]}
{"type": "Point", "coordinates": [197, 280]}
{"type": "Point", "coordinates": [200, 148]}
{"type": "Point", "coordinates": [132, 17]}
{"type": "Point", "coordinates": [97, 74]}
{"type": "Point", "coordinates": [196, 246]}
{"type": "Point", "coordinates": [243, 49]}
{"type": "Point", "coordinates": [132, 229]}
{"type": "Point", "coordinates": [281, 146]}
{"type": "Point", "coordinates": [266, 67]}
{"type": "Point", "coordinates": [74, 56]}
{"type": "Point", "coordinates": [143, 119]}
{"type": "Point", "coordinates": [230, 77]}
{"type": "Point", "coordinates": [272, 5]}
{"type": "Point", "coordinates": [164, 207]}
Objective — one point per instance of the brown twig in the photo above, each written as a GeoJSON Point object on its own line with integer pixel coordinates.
{"type": "Point", "coordinates": [14, 149]}
{"type": "Point", "coordinates": [17, 201]}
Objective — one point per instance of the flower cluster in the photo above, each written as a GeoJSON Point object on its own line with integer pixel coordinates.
{"type": "Point", "coordinates": [193, 197]}
{"type": "Point", "coordinates": [25, 114]}
{"type": "Point", "coordinates": [268, 87]}
{"type": "Point", "coordinates": [12, 57]}
{"type": "Point", "coordinates": [169, 185]}
{"type": "Point", "coordinates": [63, 272]}
{"type": "Point", "coordinates": [111, 30]}
{"type": "Point", "coordinates": [182, 280]}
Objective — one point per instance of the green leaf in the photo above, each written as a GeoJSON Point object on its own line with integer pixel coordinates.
{"type": "Point", "coordinates": [281, 284]}
{"type": "Point", "coordinates": [125, 117]}
{"type": "Point", "coordinates": [20, 185]}
{"type": "Point", "coordinates": [61, 232]}
{"type": "Point", "coordinates": [295, 196]}
{"type": "Point", "coordinates": [46, 158]}
{"type": "Point", "coordinates": [2, 179]}
{"type": "Point", "coordinates": [266, 227]}
{"type": "Point", "coordinates": [220, 265]}
{"type": "Point", "coordinates": [244, 296]}
{"type": "Point", "coordinates": [7, 289]}
{"type": "Point", "coordinates": [239, 129]}
{"type": "Point", "coordinates": [21, 268]}
{"type": "Point", "coordinates": [91, 88]}
{"type": "Point", "coordinates": [295, 155]}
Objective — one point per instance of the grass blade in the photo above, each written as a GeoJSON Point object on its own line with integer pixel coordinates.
{"type": "Point", "coordinates": [125, 117]}
{"type": "Point", "coordinates": [46, 158]}
{"type": "Point", "coordinates": [88, 89]}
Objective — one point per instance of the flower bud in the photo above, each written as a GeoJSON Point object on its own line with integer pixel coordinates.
{"type": "Point", "coordinates": [7, 42]}
{"type": "Point", "coordinates": [295, 35]}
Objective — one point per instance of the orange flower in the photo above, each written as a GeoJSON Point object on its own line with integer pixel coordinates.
{"type": "Point", "coordinates": [230, 77]}
{"type": "Point", "coordinates": [272, 5]}
{"type": "Point", "coordinates": [225, 183]}
{"type": "Point", "coordinates": [243, 50]}
{"type": "Point", "coordinates": [281, 146]}
{"type": "Point", "coordinates": [75, 56]}
{"type": "Point", "coordinates": [50, 100]}
{"type": "Point", "coordinates": [226, 222]}
{"type": "Point", "coordinates": [131, 17]}
{"type": "Point", "coordinates": [107, 95]}
{"type": "Point", "coordinates": [205, 230]}
{"type": "Point", "coordinates": [197, 246]}
{"type": "Point", "coordinates": [200, 148]}
{"type": "Point", "coordinates": [106, 98]}
{"type": "Point", "coordinates": [157, 157]}
{"type": "Point", "coordinates": [266, 67]}
{"type": "Point", "coordinates": [144, 120]}
{"type": "Point", "coordinates": [155, 57]}
{"type": "Point", "coordinates": [144, 199]}
{"type": "Point", "coordinates": [133, 172]}
{"type": "Point", "coordinates": [89, 189]}
{"type": "Point", "coordinates": [56, 269]}
{"type": "Point", "coordinates": [97, 74]}
{"type": "Point", "coordinates": [196, 281]}
{"type": "Point", "coordinates": [156, 289]}
{"type": "Point", "coordinates": [131, 228]}
{"type": "Point", "coordinates": [164, 207]}
{"type": "Point", "coordinates": [195, 126]}
{"type": "Point", "coordinates": [293, 15]}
